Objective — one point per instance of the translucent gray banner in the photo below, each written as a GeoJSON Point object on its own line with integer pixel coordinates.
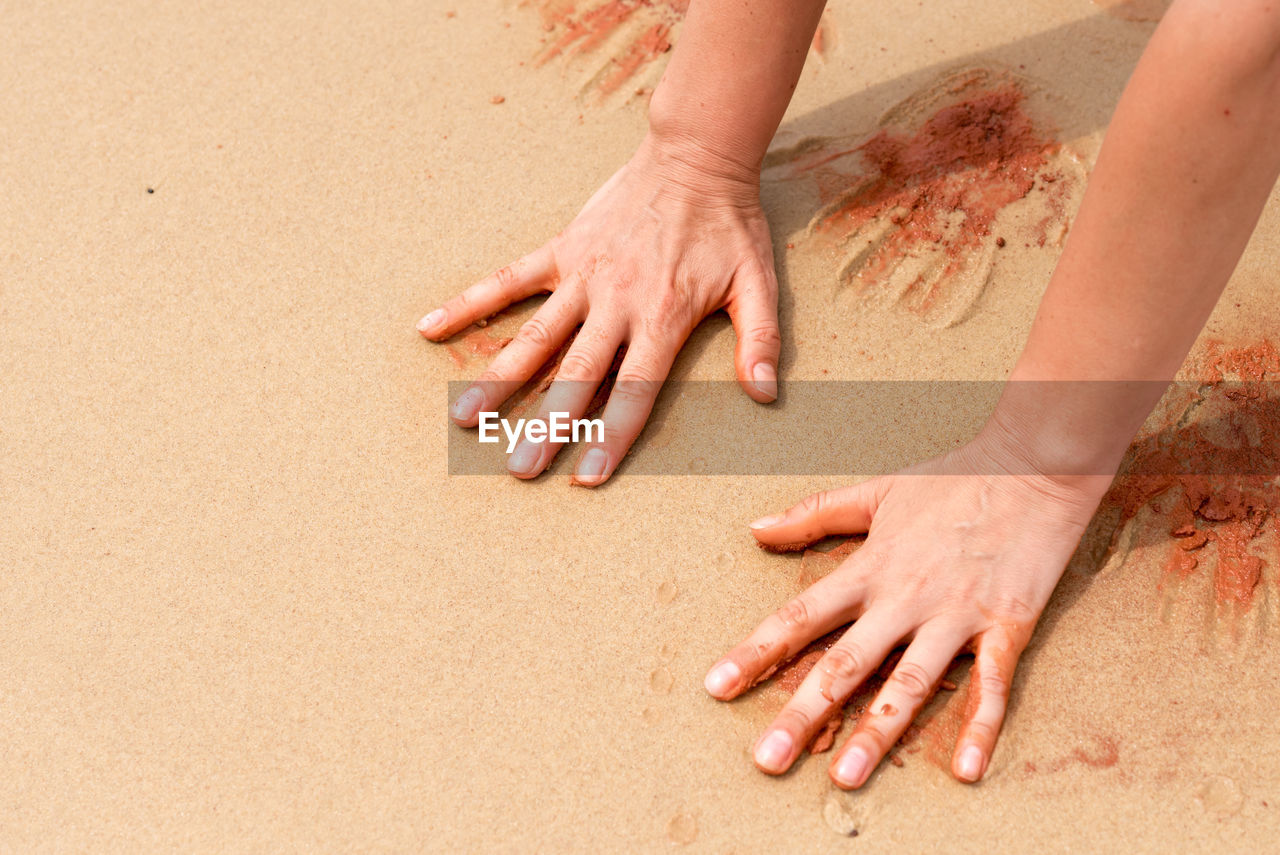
{"type": "Point", "coordinates": [871, 427]}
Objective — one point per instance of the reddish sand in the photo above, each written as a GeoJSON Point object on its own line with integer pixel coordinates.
{"type": "Point", "coordinates": [576, 30]}
{"type": "Point", "coordinates": [476, 344]}
{"type": "Point", "coordinates": [1210, 479]}
{"type": "Point", "coordinates": [1104, 754]}
{"type": "Point", "coordinates": [649, 27]}
{"type": "Point", "coordinates": [788, 676]}
{"type": "Point", "coordinates": [934, 733]}
{"type": "Point", "coordinates": [942, 185]}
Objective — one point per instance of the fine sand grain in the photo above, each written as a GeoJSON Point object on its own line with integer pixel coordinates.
{"type": "Point", "coordinates": [246, 608]}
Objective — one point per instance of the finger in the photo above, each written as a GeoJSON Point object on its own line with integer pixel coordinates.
{"type": "Point", "coordinates": [832, 601]}
{"type": "Point", "coordinates": [754, 312]}
{"type": "Point", "coordinates": [847, 510]}
{"type": "Point", "coordinates": [582, 370]}
{"type": "Point", "coordinates": [990, 680]}
{"type": "Point", "coordinates": [511, 284]}
{"type": "Point", "coordinates": [532, 347]}
{"type": "Point", "coordinates": [841, 671]}
{"type": "Point", "coordinates": [631, 400]}
{"type": "Point", "coordinates": [896, 705]}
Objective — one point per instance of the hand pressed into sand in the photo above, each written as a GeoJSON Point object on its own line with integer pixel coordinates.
{"type": "Point", "coordinates": [957, 556]}
{"type": "Point", "coordinates": [672, 237]}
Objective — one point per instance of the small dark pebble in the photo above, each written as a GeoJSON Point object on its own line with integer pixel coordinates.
{"type": "Point", "coordinates": [1000, 242]}
{"type": "Point", "coordinates": [151, 189]}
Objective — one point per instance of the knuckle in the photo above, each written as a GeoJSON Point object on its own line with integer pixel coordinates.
{"type": "Point", "coordinates": [845, 662]}
{"type": "Point", "coordinates": [981, 732]}
{"type": "Point", "coordinates": [815, 503]}
{"type": "Point", "coordinates": [759, 277]}
{"type": "Point", "coordinates": [671, 302]}
{"type": "Point", "coordinates": [912, 680]}
{"type": "Point", "coordinates": [765, 335]}
{"type": "Point", "coordinates": [630, 394]}
{"type": "Point", "coordinates": [918, 585]}
{"type": "Point", "coordinates": [667, 328]}
{"type": "Point", "coordinates": [953, 623]}
{"type": "Point", "coordinates": [873, 736]}
{"type": "Point", "coordinates": [506, 276]}
{"type": "Point", "coordinates": [580, 364]}
{"type": "Point", "coordinates": [752, 655]}
{"type": "Point", "coordinates": [575, 283]}
{"type": "Point", "coordinates": [795, 614]}
{"type": "Point", "coordinates": [537, 333]}
{"type": "Point", "coordinates": [796, 719]}
{"type": "Point", "coordinates": [638, 376]}
{"type": "Point", "coordinates": [1012, 607]}
{"type": "Point", "coordinates": [621, 283]}
{"type": "Point", "coordinates": [668, 315]}
{"type": "Point", "coordinates": [992, 687]}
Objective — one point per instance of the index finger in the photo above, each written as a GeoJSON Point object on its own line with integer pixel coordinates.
{"type": "Point", "coordinates": [847, 510]}
{"type": "Point", "coordinates": [517, 281]}
{"type": "Point", "coordinates": [832, 601]}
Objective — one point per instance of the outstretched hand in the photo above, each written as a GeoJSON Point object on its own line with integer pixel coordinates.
{"type": "Point", "coordinates": [960, 554]}
{"type": "Point", "coordinates": [669, 239]}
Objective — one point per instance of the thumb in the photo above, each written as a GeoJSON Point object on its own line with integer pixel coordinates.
{"type": "Point", "coordinates": [753, 308]}
{"type": "Point", "coordinates": [846, 510]}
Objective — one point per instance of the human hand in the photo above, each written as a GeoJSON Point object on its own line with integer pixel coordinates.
{"type": "Point", "coordinates": [673, 236]}
{"type": "Point", "coordinates": [960, 552]}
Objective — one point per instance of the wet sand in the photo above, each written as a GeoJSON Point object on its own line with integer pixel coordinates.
{"type": "Point", "coordinates": [248, 609]}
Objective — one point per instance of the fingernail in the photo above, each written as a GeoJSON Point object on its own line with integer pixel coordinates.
{"type": "Point", "coordinates": [773, 752]}
{"type": "Point", "coordinates": [970, 765]}
{"type": "Point", "coordinates": [765, 377]}
{"type": "Point", "coordinates": [431, 321]}
{"type": "Point", "coordinates": [765, 522]}
{"type": "Point", "coordinates": [851, 768]}
{"type": "Point", "coordinates": [592, 465]}
{"type": "Point", "coordinates": [722, 678]}
{"type": "Point", "coordinates": [524, 458]}
{"type": "Point", "coordinates": [467, 404]}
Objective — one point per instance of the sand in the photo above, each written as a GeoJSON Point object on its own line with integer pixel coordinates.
{"type": "Point", "coordinates": [246, 607]}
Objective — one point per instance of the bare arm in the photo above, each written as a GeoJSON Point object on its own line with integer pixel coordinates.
{"type": "Point", "coordinates": [1189, 161]}
{"type": "Point", "coordinates": [731, 78]}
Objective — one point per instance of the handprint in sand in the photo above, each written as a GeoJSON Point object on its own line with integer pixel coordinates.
{"type": "Point", "coordinates": [1200, 489]}
{"type": "Point", "coordinates": [919, 210]}
{"type": "Point", "coordinates": [620, 38]}
{"type": "Point", "coordinates": [614, 45]}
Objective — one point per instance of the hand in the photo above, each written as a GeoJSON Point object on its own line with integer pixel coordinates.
{"type": "Point", "coordinates": [959, 553]}
{"type": "Point", "coordinates": [672, 237]}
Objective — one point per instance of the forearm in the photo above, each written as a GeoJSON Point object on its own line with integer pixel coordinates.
{"type": "Point", "coordinates": [1190, 158]}
{"type": "Point", "coordinates": [730, 79]}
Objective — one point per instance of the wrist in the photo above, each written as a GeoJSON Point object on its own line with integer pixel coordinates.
{"type": "Point", "coordinates": [677, 150]}
{"type": "Point", "coordinates": [1056, 435]}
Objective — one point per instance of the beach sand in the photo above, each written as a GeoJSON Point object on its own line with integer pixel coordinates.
{"type": "Point", "coordinates": [246, 607]}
